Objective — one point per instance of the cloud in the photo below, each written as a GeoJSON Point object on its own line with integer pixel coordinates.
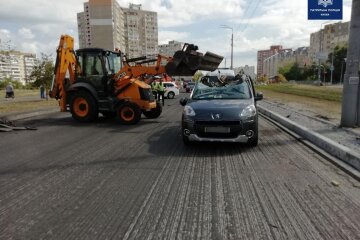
{"type": "Point", "coordinates": [173, 13]}
{"type": "Point", "coordinates": [36, 25]}
{"type": "Point", "coordinates": [5, 34]}
{"type": "Point", "coordinates": [166, 36]}
{"type": "Point", "coordinates": [26, 33]}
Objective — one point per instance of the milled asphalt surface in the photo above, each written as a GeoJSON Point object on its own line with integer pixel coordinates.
{"type": "Point", "coordinates": [107, 181]}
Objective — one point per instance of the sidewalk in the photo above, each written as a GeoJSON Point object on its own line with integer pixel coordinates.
{"type": "Point", "coordinates": [345, 138]}
{"type": "Point", "coordinates": [22, 107]}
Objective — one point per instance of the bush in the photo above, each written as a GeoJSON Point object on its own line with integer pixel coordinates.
{"type": "Point", "coordinates": [6, 81]}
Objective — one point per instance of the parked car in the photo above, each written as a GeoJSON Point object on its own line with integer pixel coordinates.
{"type": "Point", "coordinates": [171, 90]}
{"type": "Point", "coordinates": [221, 109]}
{"type": "Point", "coordinates": [190, 86]}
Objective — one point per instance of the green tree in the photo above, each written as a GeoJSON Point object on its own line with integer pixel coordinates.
{"type": "Point", "coordinates": [281, 78]}
{"type": "Point", "coordinates": [339, 54]}
{"type": "Point", "coordinates": [43, 72]}
{"type": "Point", "coordinates": [6, 81]}
{"type": "Point", "coordinates": [291, 71]}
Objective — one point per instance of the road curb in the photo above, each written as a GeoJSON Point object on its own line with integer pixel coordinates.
{"type": "Point", "coordinates": [335, 149]}
{"type": "Point", "coordinates": [24, 115]}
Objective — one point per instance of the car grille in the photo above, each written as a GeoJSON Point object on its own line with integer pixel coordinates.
{"type": "Point", "coordinates": [217, 135]}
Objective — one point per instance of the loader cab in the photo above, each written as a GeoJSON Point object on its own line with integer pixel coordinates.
{"type": "Point", "coordinates": [97, 66]}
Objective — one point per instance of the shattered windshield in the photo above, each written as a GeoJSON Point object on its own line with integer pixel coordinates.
{"type": "Point", "coordinates": [213, 87]}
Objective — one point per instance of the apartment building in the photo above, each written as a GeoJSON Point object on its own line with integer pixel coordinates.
{"type": "Point", "coordinates": [16, 65]}
{"type": "Point", "coordinates": [325, 40]}
{"type": "Point", "coordinates": [141, 31]}
{"type": "Point", "coordinates": [101, 25]}
{"type": "Point", "coordinates": [284, 57]}
{"type": "Point", "coordinates": [105, 24]}
{"type": "Point", "coordinates": [170, 48]}
{"type": "Point", "coordinates": [262, 55]}
{"type": "Point", "coordinates": [248, 70]}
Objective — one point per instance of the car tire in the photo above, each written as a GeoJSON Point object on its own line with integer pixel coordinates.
{"type": "Point", "coordinates": [83, 106]}
{"type": "Point", "coordinates": [129, 113]}
{"type": "Point", "coordinates": [153, 113]}
{"type": "Point", "coordinates": [170, 95]}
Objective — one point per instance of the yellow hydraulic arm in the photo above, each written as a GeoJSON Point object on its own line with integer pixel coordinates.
{"type": "Point", "coordinates": [65, 66]}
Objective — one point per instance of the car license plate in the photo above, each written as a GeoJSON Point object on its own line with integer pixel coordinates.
{"type": "Point", "coordinates": [217, 129]}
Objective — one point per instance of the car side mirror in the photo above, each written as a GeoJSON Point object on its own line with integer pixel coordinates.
{"type": "Point", "coordinates": [259, 96]}
{"type": "Point", "coordinates": [183, 101]}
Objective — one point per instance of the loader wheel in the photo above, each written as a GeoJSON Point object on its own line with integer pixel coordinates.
{"type": "Point", "coordinates": [153, 113]}
{"type": "Point", "coordinates": [129, 113]}
{"type": "Point", "coordinates": [83, 106]}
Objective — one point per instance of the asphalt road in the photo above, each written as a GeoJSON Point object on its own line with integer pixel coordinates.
{"type": "Point", "coordinates": [107, 181]}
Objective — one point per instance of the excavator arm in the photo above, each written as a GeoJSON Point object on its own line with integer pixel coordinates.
{"type": "Point", "coordinates": [184, 63]}
{"type": "Point", "coordinates": [65, 70]}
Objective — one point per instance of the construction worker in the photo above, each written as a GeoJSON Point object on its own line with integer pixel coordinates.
{"type": "Point", "coordinates": [160, 91]}
{"type": "Point", "coordinates": [154, 89]}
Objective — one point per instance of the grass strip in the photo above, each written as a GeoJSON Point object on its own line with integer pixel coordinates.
{"type": "Point", "coordinates": [318, 92]}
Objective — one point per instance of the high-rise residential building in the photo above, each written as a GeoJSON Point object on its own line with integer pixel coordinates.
{"type": "Point", "coordinates": [105, 24]}
{"type": "Point", "coordinates": [262, 55]}
{"type": "Point", "coordinates": [16, 65]}
{"type": "Point", "coordinates": [248, 70]}
{"type": "Point", "coordinates": [141, 31]}
{"type": "Point", "coordinates": [101, 25]}
{"type": "Point", "coordinates": [325, 40]}
{"type": "Point", "coordinates": [284, 57]}
{"type": "Point", "coordinates": [170, 48]}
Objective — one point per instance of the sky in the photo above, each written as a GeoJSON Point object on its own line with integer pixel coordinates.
{"type": "Point", "coordinates": [36, 25]}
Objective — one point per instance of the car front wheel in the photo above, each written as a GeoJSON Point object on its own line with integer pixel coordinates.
{"type": "Point", "coordinates": [170, 95]}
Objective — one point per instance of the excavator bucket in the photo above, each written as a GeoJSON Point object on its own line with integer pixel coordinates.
{"type": "Point", "coordinates": [187, 61]}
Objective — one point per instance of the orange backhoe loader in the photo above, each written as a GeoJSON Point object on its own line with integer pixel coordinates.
{"type": "Point", "coordinates": [90, 81]}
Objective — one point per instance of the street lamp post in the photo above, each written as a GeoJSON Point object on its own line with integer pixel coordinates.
{"type": "Point", "coordinates": [342, 68]}
{"type": "Point", "coordinates": [232, 43]}
{"type": "Point", "coordinates": [332, 68]}
{"type": "Point", "coordinates": [321, 35]}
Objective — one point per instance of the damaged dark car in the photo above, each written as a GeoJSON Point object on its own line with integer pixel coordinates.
{"type": "Point", "coordinates": [221, 109]}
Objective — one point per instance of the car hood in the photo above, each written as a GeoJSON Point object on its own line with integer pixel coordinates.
{"type": "Point", "coordinates": [227, 108]}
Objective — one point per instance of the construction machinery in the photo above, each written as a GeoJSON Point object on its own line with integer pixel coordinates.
{"type": "Point", "coordinates": [90, 81]}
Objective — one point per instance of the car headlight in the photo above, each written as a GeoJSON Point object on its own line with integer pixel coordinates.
{"type": "Point", "coordinates": [248, 112]}
{"type": "Point", "coordinates": [189, 111]}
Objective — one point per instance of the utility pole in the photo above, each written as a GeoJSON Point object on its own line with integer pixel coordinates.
{"type": "Point", "coordinates": [332, 68]}
{"type": "Point", "coordinates": [232, 43]}
{"type": "Point", "coordinates": [232, 49]}
{"type": "Point", "coordinates": [350, 114]}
